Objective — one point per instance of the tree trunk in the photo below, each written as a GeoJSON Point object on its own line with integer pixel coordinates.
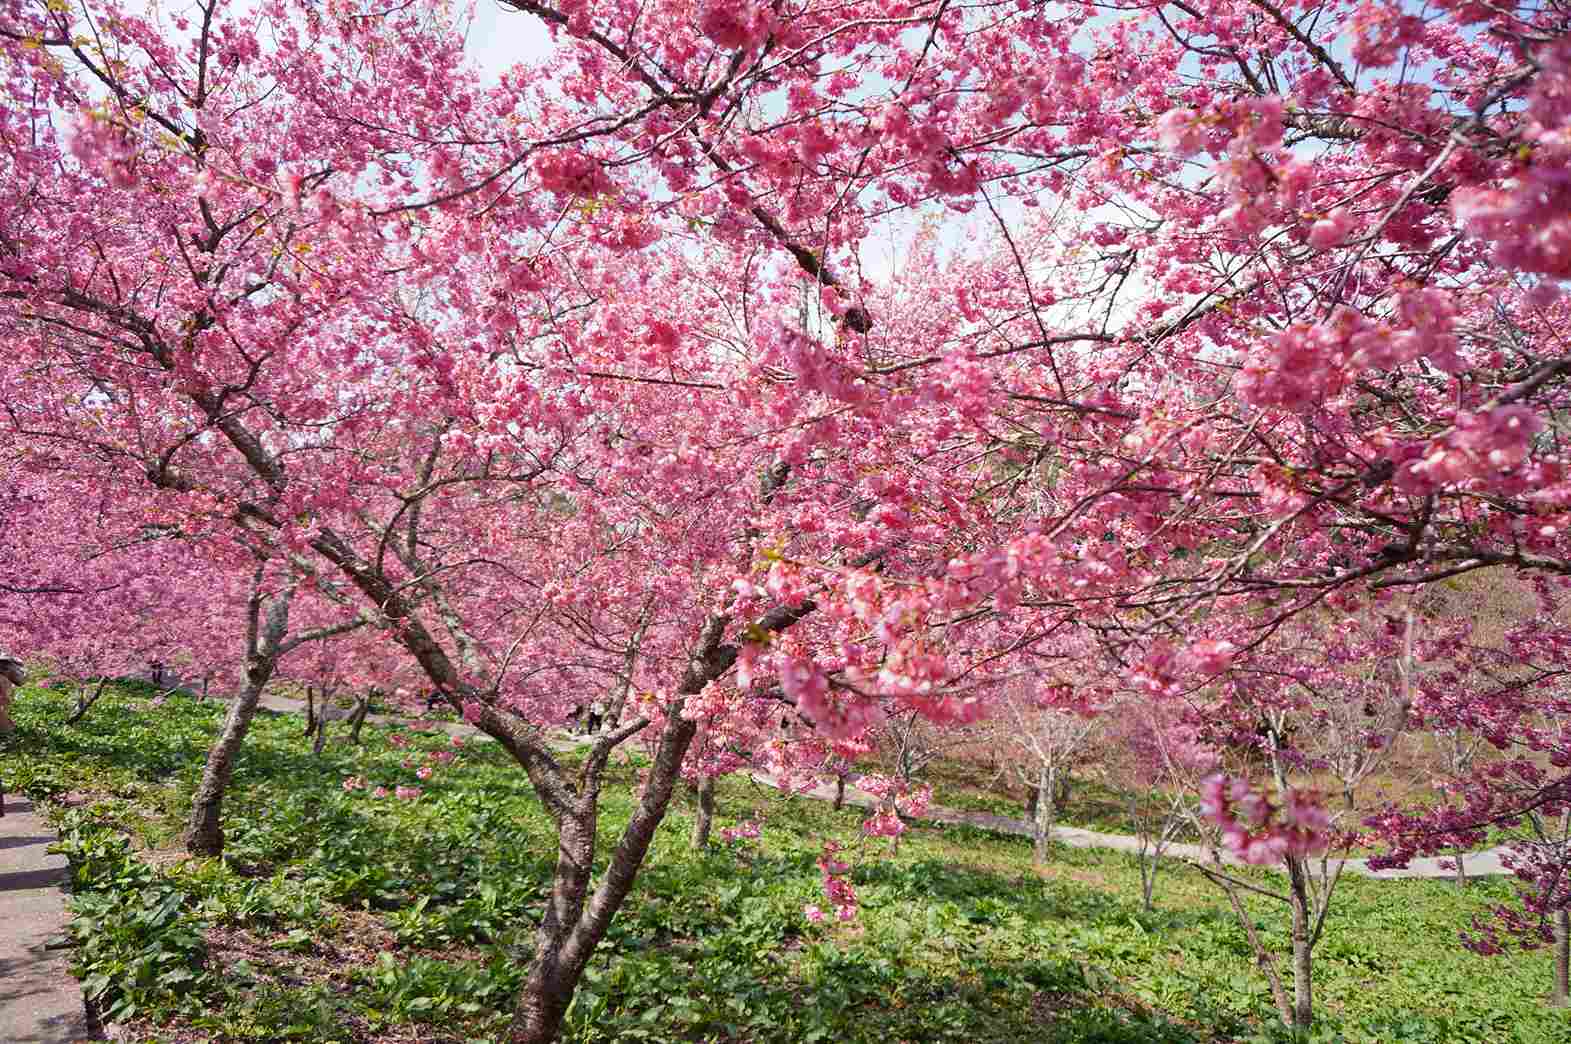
{"type": "Point", "coordinates": [310, 710]}
{"type": "Point", "coordinates": [840, 792]}
{"type": "Point", "coordinates": [84, 702]}
{"type": "Point", "coordinates": [1265, 959]}
{"type": "Point", "coordinates": [321, 735]}
{"type": "Point", "coordinates": [1561, 997]}
{"type": "Point", "coordinates": [704, 817]}
{"type": "Point", "coordinates": [1045, 808]}
{"type": "Point", "coordinates": [1461, 870]}
{"type": "Point", "coordinates": [573, 926]}
{"type": "Point", "coordinates": [1150, 852]}
{"type": "Point", "coordinates": [1303, 946]}
{"type": "Point", "coordinates": [553, 974]}
{"type": "Point", "coordinates": [204, 835]}
{"type": "Point", "coordinates": [357, 718]}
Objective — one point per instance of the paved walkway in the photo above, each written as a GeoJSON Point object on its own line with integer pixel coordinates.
{"type": "Point", "coordinates": [1478, 864]}
{"type": "Point", "coordinates": [40, 1003]}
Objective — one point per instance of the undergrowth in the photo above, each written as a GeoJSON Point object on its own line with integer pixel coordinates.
{"type": "Point", "coordinates": [336, 915]}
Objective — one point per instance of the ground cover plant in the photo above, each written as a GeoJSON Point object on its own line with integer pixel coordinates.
{"type": "Point", "coordinates": [339, 915]}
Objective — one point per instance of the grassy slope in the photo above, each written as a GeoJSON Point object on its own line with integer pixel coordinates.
{"type": "Point", "coordinates": [339, 916]}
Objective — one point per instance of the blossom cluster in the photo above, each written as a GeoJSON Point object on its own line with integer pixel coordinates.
{"type": "Point", "coordinates": [1479, 446]}
{"type": "Point", "coordinates": [747, 830]}
{"type": "Point", "coordinates": [838, 889]}
{"type": "Point", "coordinates": [1260, 832]}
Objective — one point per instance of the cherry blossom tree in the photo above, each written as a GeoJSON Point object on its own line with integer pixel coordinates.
{"type": "Point", "coordinates": [1243, 314]}
{"type": "Point", "coordinates": [1050, 732]}
{"type": "Point", "coordinates": [1160, 760]}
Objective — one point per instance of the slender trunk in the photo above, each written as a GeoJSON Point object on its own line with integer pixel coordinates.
{"type": "Point", "coordinates": [1265, 960]}
{"type": "Point", "coordinates": [1461, 870]}
{"type": "Point", "coordinates": [1149, 854]}
{"type": "Point", "coordinates": [1043, 832]}
{"type": "Point", "coordinates": [357, 718]}
{"type": "Point", "coordinates": [1031, 804]}
{"type": "Point", "coordinates": [8, 686]}
{"type": "Point", "coordinates": [1303, 946]}
{"type": "Point", "coordinates": [84, 702]}
{"type": "Point", "coordinates": [310, 710]}
{"type": "Point", "coordinates": [704, 818]}
{"type": "Point", "coordinates": [206, 678]}
{"type": "Point", "coordinates": [840, 792]}
{"type": "Point", "coordinates": [321, 735]}
{"type": "Point", "coordinates": [204, 834]}
{"type": "Point", "coordinates": [1561, 998]}
{"type": "Point", "coordinates": [574, 921]}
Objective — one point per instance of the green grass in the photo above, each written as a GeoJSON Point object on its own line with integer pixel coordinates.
{"type": "Point", "coordinates": [337, 916]}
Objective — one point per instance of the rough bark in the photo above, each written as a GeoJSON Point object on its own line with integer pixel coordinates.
{"type": "Point", "coordinates": [1303, 945]}
{"type": "Point", "coordinates": [704, 816]}
{"type": "Point", "coordinates": [1046, 809]}
{"type": "Point", "coordinates": [575, 921]}
{"type": "Point", "coordinates": [357, 718]}
{"type": "Point", "coordinates": [1561, 997]}
{"type": "Point", "coordinates": [204, 835]}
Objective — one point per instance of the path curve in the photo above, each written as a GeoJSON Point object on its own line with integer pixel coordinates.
{"type": "Point", "coordinates": [1485, 863]}
{"type": "Point", "coordinates": [1477, 864]}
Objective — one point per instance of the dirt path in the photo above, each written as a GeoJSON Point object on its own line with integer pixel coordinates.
{"type": "Point", "coordinates": [40, 1003]}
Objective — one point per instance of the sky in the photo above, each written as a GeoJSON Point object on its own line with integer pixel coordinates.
{"type": "Point", "coordinates": [500, 37]}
